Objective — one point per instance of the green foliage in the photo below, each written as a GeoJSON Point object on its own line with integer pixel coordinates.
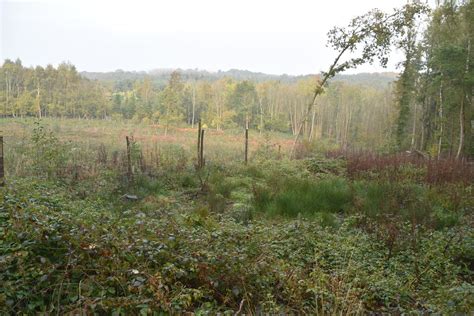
{"type": "Point", "coordinates": [322, 167]}
{"type": "Point", "coordinates": [308, 197]}
{"type": "Point", "coordinates": [267, 150]}
{"type": "Point", "coordinates": [49, 154]}
{"type": "Point", "coordinates": [409, 202]}
{"type": "Point", "coordinates": [275, 236]}
{"type": "Point", "coordinates": [59, 253]}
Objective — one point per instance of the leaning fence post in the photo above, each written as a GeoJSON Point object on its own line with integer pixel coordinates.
{"type": "Point", "coordinates": [201, 147]}
{"type": "Point", "coordinates": [129, 160]}
{"type": "Point", "coordinates": [2, 168]}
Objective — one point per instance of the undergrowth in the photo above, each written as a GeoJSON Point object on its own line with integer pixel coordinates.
{"type": "Point", "coordinates": [348, 234]}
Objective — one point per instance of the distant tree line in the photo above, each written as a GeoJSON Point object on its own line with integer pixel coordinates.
{"type": "Point", "coordinates": [346, 114]}
{"type": "Point", "coordinates": [160, 77]}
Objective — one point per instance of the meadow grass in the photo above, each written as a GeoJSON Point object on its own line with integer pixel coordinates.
{"type": "Point", "coordinates": [88, 135]}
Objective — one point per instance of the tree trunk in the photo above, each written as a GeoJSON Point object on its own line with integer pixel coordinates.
{"type": "Point", "coordinates": [38, 100]}
{"type": "Point", "coordinates": [347, 130]}
{"type": "Point", "coordinates": [440, 140]}
{"type": "Point", "coordinates": [312, 125]}
{"type": "Point", "coordinates": [413, 133]}
{"type": "Point", "coordinates": [461, 129]}
{"type": "Point", "coordinates": [461, 110]}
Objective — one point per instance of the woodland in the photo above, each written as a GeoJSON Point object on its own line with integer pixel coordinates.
{"type": "Point", "coordinates": [185, 191]}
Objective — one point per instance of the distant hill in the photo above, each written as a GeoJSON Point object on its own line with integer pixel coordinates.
{"type": "Point", "coordinates": [161, 76]}
{"type": "Point", "coordinates": [375, 79]}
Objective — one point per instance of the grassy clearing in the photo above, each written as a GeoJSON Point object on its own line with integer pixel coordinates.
{"type": "Point", "coordinates": [312, 235]}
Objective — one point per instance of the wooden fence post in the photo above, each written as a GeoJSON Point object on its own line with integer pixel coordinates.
{"type": "Point", "coordinates": [129, 160]}
{"type": "Point", "coordinates": [199, 143]}
{"type": "Point", "coordinates": [2, 167]}
{"type": "Point", "coordinates": [201, 154]}
{"type": "Point", "coordinates": [246, 144]}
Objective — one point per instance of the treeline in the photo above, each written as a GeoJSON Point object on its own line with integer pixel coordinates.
{"type": "Point", "coordinates": [434, 94]}
{"type": "Point", "coordinates": [57, 92]}
{"type": "Point", "coordinates": [347, 114]}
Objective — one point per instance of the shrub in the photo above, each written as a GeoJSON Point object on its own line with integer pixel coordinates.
{"type": "Point", "coordinates": [305, 148]}
{"type": "Point", "coordinates": [322, 166]}
{"type": "Point", "coordinates": [408, 202]}
{"type": "Point", "coordinates": [49, 155]}
{"type": "Point", "coordinates": [267, 150]}
{"type": "Point", "coordinates": [145, 185]}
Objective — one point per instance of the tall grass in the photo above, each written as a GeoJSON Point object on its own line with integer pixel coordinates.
{"type": "Point", "coordinates": [295, 197]}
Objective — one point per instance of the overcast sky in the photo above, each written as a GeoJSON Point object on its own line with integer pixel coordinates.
{"type": "Point", "coordinates": [271, 36]}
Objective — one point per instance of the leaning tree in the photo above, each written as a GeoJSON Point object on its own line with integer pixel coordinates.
{"type": "Point", "coordinates": [366, 39]}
